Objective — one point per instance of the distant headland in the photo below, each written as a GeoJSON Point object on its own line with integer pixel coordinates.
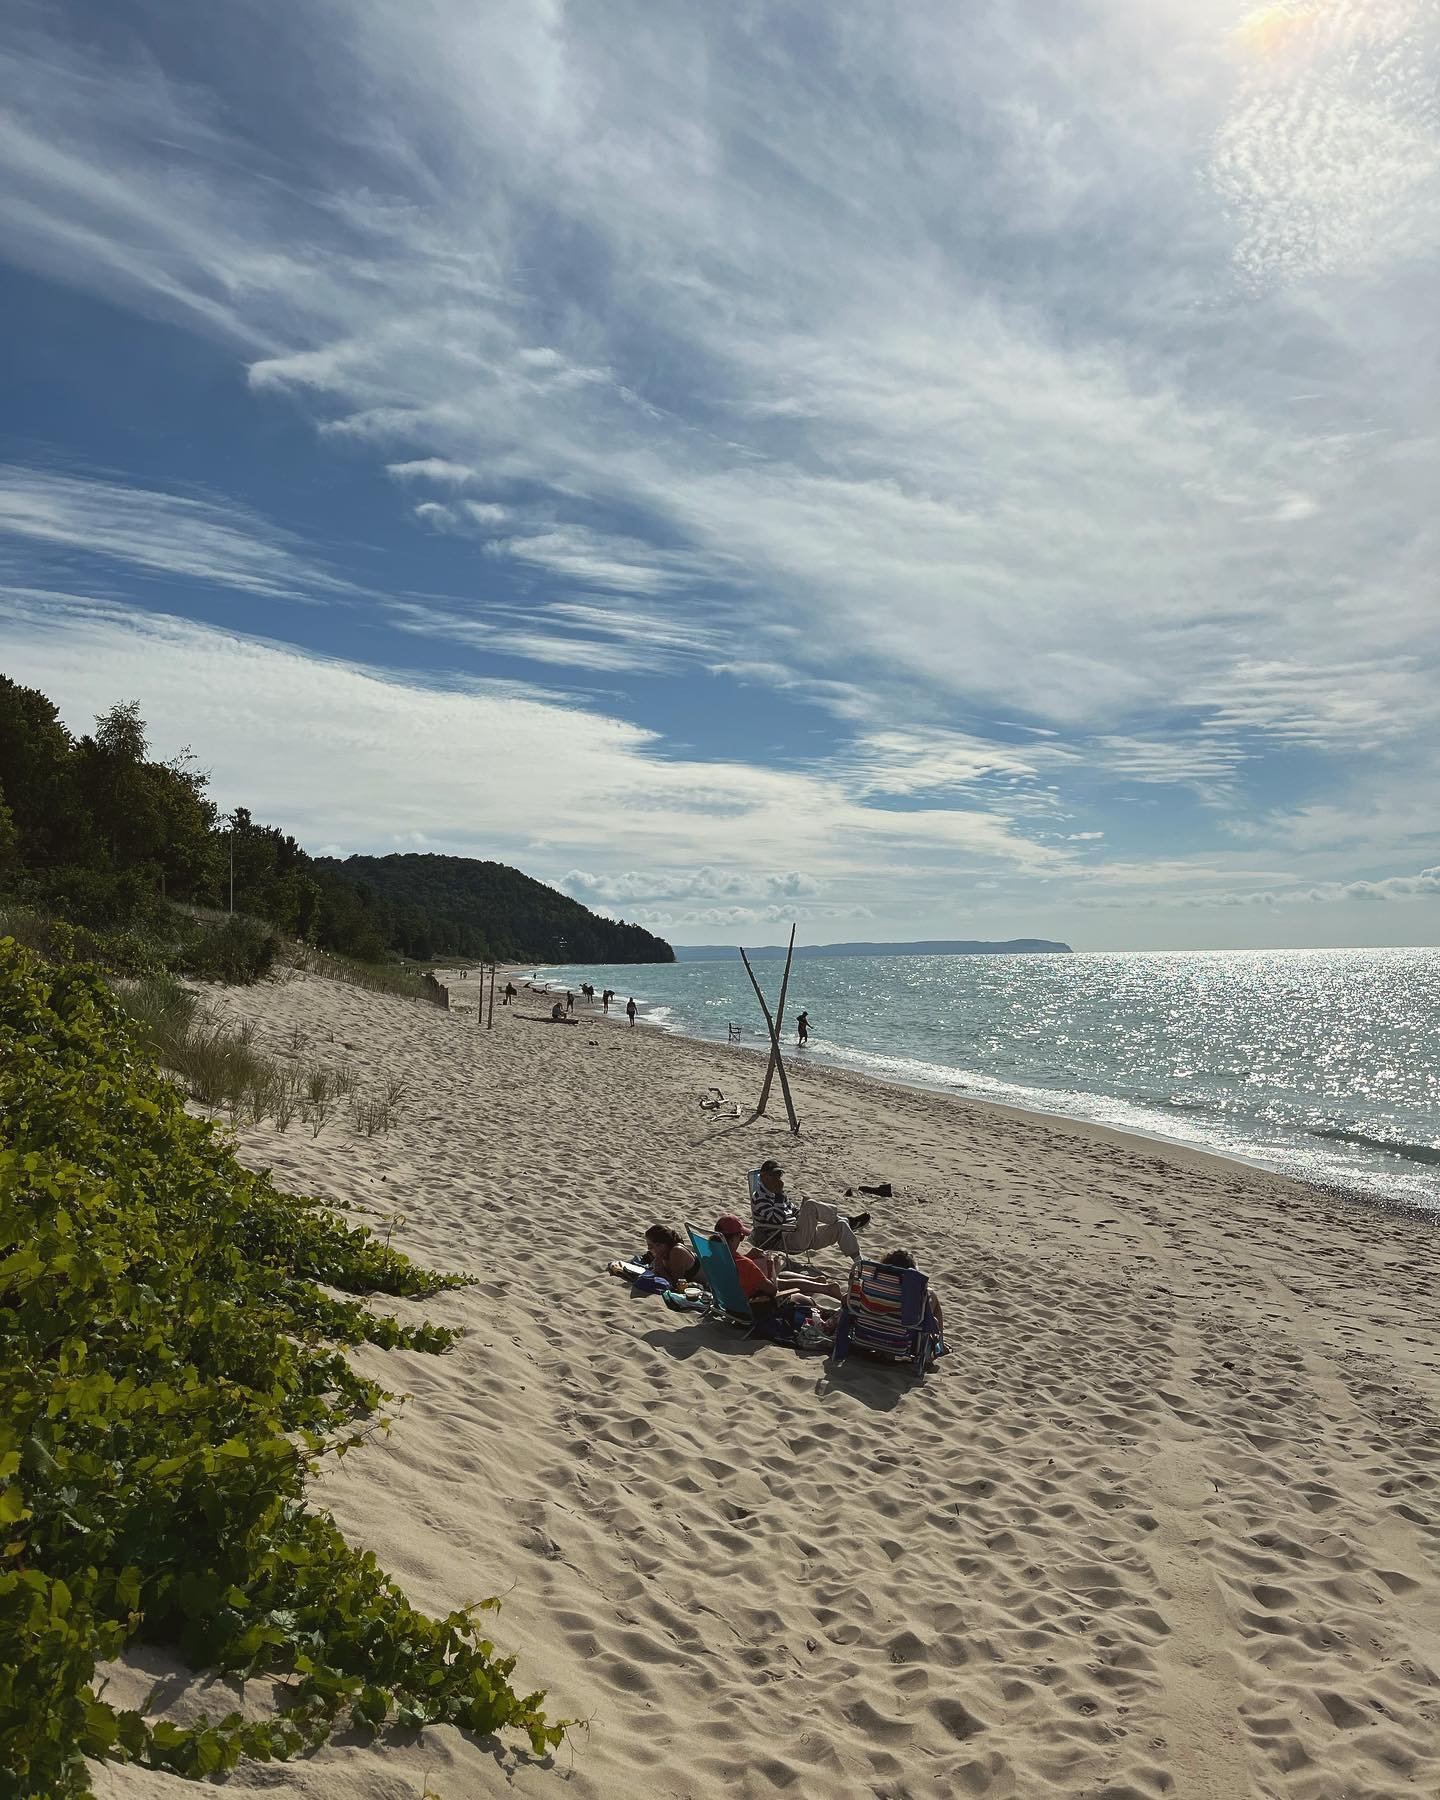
{"type": "Point", "coordinates": [924, 947]}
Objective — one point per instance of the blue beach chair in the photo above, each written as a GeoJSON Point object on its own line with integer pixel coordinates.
{"type": "Point", "coordinates": [718, 1272]}
{"type": "Point", "coordinates": [888, 1313]}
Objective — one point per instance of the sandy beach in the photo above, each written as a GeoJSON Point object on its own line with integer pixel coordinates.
{"type": "Point", "coordinates": [1163, 1523]}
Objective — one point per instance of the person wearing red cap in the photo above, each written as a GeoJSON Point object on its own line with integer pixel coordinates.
{"type": "Point", "coordinates": [759, 1273]}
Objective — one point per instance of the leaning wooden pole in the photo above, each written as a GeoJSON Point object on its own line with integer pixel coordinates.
{"type": "Point", "coordinates": [774, 1046]}
{"type": "Point", "coordinates": [779, 1027]}
{"type": "Point", "coordinates": [490, 1017]}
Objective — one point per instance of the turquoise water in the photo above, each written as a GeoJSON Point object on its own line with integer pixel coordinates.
{"type": "Point", "coordinates": [1321, 1063]}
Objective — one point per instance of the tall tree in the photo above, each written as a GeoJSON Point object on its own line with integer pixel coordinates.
{"type": "Point", "coordinates": [39, 775]}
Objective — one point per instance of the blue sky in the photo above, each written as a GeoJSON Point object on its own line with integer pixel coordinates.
{"type": "Point", "coordinates": [918, 470]}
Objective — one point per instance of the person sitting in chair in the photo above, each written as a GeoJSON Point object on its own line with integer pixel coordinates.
{"type": "Point", "coordinates": [781, 1225]}
{"type": "Point", "coordinates": [760, 1277]}
{"type": "Point", "coordinates": [902, 1259]}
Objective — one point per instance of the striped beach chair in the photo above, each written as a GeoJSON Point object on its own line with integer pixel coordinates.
{"type": "Point", "coordinates": [887, 1312]}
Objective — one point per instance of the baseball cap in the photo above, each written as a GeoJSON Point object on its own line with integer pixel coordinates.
{"type": "Point", "coordinates": [729, 1225]}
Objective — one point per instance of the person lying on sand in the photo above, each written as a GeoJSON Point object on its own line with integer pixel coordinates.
{"type": "Point", "coordinates": [902, 1259]}
{"type": "Point", "coordinates": [668, 1255]}
{"type": "Point", "coordinates": [760, 1277]}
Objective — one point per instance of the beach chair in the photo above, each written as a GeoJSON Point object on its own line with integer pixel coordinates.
{"type": "Point", "coordinates": [887, 1312]}
{"type": "Point", "coordinates": [717, 1270]}
{"type": "Point", "coordinates": [763, 1236]}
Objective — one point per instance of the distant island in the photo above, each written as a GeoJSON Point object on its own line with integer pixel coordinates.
{"type": "Point", "coordinates": [924, 947]}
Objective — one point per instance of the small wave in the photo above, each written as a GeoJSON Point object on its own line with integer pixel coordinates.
{"type": "Point", "coordinates": [1421, 1153]}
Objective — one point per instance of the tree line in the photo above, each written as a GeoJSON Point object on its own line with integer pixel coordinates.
{"type": "Point", "coordinates": [97, 832]}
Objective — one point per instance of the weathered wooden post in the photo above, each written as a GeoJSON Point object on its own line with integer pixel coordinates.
{"type": "Point", "coordinates": [779, 1027]}
{"type": "Point", "coordinates": [490, 1017]}
{"type": "Point", "coordinates": [777, 1061]}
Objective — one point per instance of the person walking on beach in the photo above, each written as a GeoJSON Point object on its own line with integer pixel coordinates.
{"type": "Point", "coordinates": [569, 1001]}
{"type": "Point", "coordinates": [605, 999]}
{"type": "Point", "coordinates": [802, 1029]}
{"type": "Point", "coordinates": [630, 1010]}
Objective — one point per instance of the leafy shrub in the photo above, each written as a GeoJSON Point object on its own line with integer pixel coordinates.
{"type": "Point", "coordinates": [101, 899]}
{"type": "Point", "coordinates": [128, 952]}
{"type": "Point", "coordinates": [240, 951]}
{"type": "Point", "coordinates": [170, 1370]}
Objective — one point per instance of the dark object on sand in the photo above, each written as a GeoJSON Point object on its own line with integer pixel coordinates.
{"type": "Point", "coordinates": [883, 1191]}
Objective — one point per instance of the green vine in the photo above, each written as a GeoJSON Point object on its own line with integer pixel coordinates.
{"type": "Point", "coordinates": [170, 1370]}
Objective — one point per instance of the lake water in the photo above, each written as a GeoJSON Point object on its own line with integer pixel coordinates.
{"type": "Point", "coordinates": [1321, 1063]}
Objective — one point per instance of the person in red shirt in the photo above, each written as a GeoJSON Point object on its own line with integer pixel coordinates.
{"type": "Point", "coordinates": [760, 1276]}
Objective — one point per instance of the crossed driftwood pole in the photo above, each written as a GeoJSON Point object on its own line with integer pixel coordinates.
{"type": "Point", "coordinates": [776, 1064]}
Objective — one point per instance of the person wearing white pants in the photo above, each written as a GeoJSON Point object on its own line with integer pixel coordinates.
{"type": "Point", "coordinates": [780, 1224]}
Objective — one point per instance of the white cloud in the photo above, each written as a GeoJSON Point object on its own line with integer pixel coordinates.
{"type": "Point", "coordinates": [594, 637]}
{"type": "Point", "coordinates": [1199, 760]}
{"type": "Point", "coordinates": [1425, 884]}
{"type": "Point", "coordinates": [704, 882]}
{"type": "Point", "coordinates": [1331, 152]}
{"type": "Point", "coordinates": [818, 381]}
{"type": "Point", "coordinates": [334, 751]}
{"type": "Point", "coordinates": [598, 559]}
{"type": "Point", "coordinates": [434, 469]}
{"type": "Point", "coordinates": [920, 761]}
{"type": "Point", "coordinates": [164, 534]}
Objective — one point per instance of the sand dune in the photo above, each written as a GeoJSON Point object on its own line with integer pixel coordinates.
{"type": "Point", "coordinates": [1164, 1523]}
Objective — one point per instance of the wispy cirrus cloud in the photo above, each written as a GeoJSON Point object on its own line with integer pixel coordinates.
{"type": "Point", "coordinates": [161, 533]}
{"type": "Point", "coordinates": [612, 635]}
{"type": "Point", "coordinates": [705, 883]}
{"type": "Point", "coordinates": [1423, 884]}
{"type": "Point", "coordinates": [434, 469]}
{"type": "Point", "coordinates": [330, 747]}
{"type": "Point", "coordinates": [786, 363]}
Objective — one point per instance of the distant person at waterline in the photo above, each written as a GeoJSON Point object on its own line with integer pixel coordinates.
{"type": "Point", "coordinates": [781, 1224]}
{"type": "Point", "coordinates": [631, 1009]}
{"type": "Point", "coordinates": [802, 1029]}
{"type": "Point", "coordinates": [569, 1001]}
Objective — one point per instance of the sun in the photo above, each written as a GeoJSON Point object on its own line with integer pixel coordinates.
{"type": "Point", "coordinates": [1272, 30]}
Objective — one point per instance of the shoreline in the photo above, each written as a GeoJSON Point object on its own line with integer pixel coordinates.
{"type": "Point", "coordinates": [1181, 1147]}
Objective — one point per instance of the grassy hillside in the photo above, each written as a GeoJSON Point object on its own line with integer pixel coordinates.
{"type": "Point", "coordinates": [485, 908]}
